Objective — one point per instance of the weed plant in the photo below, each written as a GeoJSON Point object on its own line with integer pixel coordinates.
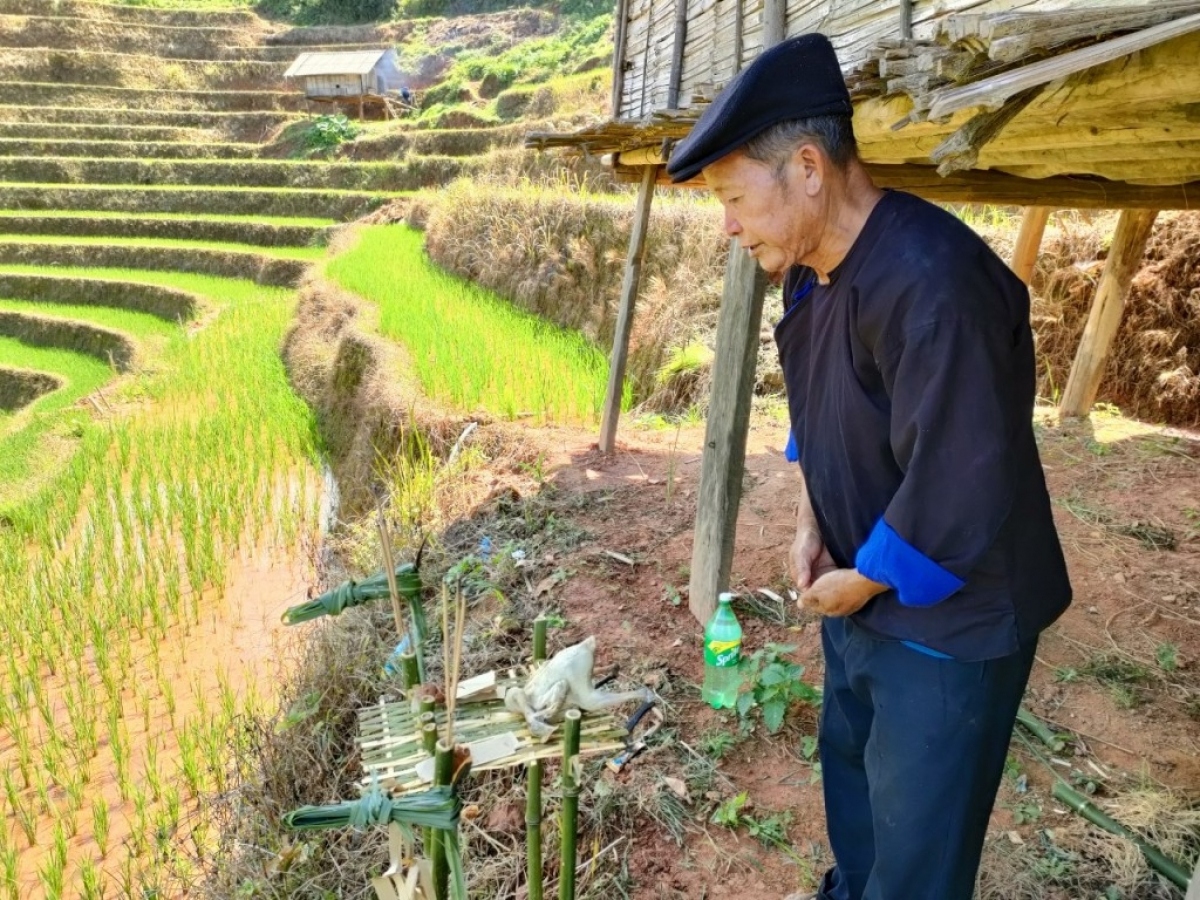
{"type": "Point", "coordinates": [470, 348]}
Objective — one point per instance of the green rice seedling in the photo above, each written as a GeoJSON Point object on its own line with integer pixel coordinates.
{"type": "Point", "coordinates": [100, 824]}
{"type": "Point", "coordinates": [91, 881]}
{"type": "Point", "coordinates": [52, 873]}
{"type": "Point", "coordinates": [10, 888]}
{"type": "Point", "coordinates": [12, 793]}
{"type": "Point", "coordinates": [189, 762]}
{"type": "Point", "coordinates": [151, 771]}
{"type": "Point", "coordinates": [27, 821]}
{"type": "Point", "coordinates": [469, 347]}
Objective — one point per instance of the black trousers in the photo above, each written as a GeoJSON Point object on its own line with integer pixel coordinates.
{"type": "Point", "coordinates": [912, 750]}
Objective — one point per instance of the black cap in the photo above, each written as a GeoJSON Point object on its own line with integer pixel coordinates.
{"type": "Point", "coordinates": [795, 79]}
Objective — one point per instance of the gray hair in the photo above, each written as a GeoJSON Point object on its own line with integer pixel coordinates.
{"type": "Point", "coordinates": [834, 135]}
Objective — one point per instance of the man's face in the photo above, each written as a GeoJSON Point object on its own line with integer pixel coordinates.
{"type": "Point", "coordinates": [777, 218]}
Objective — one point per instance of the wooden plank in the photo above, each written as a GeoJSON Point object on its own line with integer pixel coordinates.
{"type": "Point", "coordinates": [1011, 190]}
{"type": "Point", "coordinates": [1029, 240]}
{"type": "Point", "coordinates": [624, 326]}
{"type": "Point", "coordinates": [991, 92]}
{"type": "Point", "coordinates": [723, 463]}
{"type": "Point", "coordinates": [1124, 258]}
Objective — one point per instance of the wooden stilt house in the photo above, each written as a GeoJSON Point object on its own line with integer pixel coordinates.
{"type": "Point", "coordinates": [1039, 103]}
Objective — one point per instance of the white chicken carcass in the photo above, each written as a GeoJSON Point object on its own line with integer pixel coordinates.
{"type": "Point", "coordinates": [565, 682]}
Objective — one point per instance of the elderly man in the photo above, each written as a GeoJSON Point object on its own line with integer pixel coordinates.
{"type": "Point", "coordinates": [924, 538]}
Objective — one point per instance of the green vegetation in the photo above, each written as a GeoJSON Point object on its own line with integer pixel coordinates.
{"type": "Point", "coordinates": [469, 347]}
{"type": "Point", "coordinates": [307, 221]}
{"type": "Point", "coordinates": [138, 324]}
{"type": "Point", "coordinates": [772, 683]}
{"type": "Point", "coordinates": [21, 433]}
{"type": "Point", "coordinates": [309, 253]}
{"type": "Point", "coordinates": [328, 12]}
{"type": "Point", "coordinates": [329, 132]}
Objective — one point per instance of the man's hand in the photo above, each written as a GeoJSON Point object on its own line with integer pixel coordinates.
{"type": "Point", "coordinates": [840, 593]}
{"type": "Point", "coordinates": [808, 559]}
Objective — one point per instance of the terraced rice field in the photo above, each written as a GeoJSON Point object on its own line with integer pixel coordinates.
{"type": "Point", "coordinates": [156, 468]}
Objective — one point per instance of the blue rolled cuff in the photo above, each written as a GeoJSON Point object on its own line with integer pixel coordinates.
{"type": "Point", "coordinates": [917, 580]}
{"type": "Point", "coordinates": [791, 452]}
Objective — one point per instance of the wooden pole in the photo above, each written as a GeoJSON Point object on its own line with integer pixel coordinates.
{"type": "Point", "coordinates": [676, 81]}
{"type": "Point", "coordinates": [619, 43]}
{"type": "Point", "coordinates": [1029, 239]}
{"type": "Point", "coordinates": [774, 22]}
{"type": "Point", "coordinates": [1124, 257]}
{"type": "Point", "coordinates": [629, 292]}
{"type": "Point", "coordinates": [728, 422]}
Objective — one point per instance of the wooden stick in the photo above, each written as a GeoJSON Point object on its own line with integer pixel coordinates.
{"type": "Point", "coordinates": [1128, 246]}
{"type": "Point", "coordinates": [570, 804]}
{"type": "Point", "coordinates": [389, 566]}
{"type": "Point", "coordinates": [630, 287]}
{"type": "Point", "coordinates": [1029, 240]}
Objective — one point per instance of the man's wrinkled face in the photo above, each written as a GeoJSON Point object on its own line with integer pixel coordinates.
{"type": "Point", "coordinates": [774, 215]}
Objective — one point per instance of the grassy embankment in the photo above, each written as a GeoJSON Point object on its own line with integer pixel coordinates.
{"type": "Point", "coordinates": [470, 348]}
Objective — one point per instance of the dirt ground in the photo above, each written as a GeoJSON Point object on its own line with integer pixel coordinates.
{"type": "Point", "coordinates": [1119, 670]}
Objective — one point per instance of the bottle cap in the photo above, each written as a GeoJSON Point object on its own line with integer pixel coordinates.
{"type": "Point", "coordinates": [725, 597]}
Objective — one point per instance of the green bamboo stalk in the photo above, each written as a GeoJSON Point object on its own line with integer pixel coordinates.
{"type": "Point", "coordinates": [570, 805]}
{"type": "Point", "coordinates": [409, 670]}
{"type": "Point", "coordinates": [1041, 730]}
{"type": "Point", "coordinates": [533, 829]}
{"type": "Point", "coordinates": [428, 705]}
{"type": "Point", "coordinates": [539, 639]}
{"type": "Point", "coordinates": [442, 771]}
{"type": "Point", "coordinates": [429, 732]}
{"type": "Point", "coordinates": [1158, 860]}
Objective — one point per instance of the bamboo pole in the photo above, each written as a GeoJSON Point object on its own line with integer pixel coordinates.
{"type": "Point", "coordinates": [570, 804]}
{"type": "Point", "coordinates": [410, 671]}
{"type": "Point", "coordinates": [533, 829]}
{"type": "Point", "coordinates": [442, 771]}
{"type": "Point", "coordinates": [1029, 239]}
{"type": "Point", "coordinates": [1158, 860]}
{"type": "Point", "coordinates": [629, 292]}
{"type": "Point", "coordinates": [1128, 245]}
{"type": "Point", "coordinates": [539, 639]}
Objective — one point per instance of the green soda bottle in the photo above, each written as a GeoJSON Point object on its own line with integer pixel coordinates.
{"type": "Point", "coordinates": [722, 653]}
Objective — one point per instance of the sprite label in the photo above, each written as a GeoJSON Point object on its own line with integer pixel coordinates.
{"type": "Point", "coordinates": [722, 654]}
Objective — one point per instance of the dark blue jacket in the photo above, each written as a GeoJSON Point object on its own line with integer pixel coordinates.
{"type": "Point", "coordinates": [910, 381]}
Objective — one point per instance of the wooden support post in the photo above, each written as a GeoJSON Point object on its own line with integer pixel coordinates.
{"type": "Point", "coordinates": [728, 422]}
{"type": "Point", "coordinates": [774, 22]}
{"type": "Point", "coordinates": [619, 43]}
{"type": "Point", "coordinates": [1029, 239]}
{"type": "Point", "coordinates": [676, 81]}
{"type": "Point", "coordinates": [629, 292]}
{"type": "Point", "coordinates": [1124, 257]}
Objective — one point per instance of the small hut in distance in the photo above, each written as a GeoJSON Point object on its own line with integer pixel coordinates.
{"type": "Point", "coordinates": [334, 77]}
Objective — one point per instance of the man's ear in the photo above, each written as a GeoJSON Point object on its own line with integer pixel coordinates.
{"type": "Point", "coordinates": [810, 167]}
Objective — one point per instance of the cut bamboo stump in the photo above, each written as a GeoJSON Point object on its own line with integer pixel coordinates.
{"type": "Point", "coordinates": [1029, 240]}
{"type": "Point", "coordinates": [570, 804]}
{"type": "Point", "coordinates": [1128, 246]}
{"type": "Point", "coordinates": [533, 829]}
{"type": "Point", "coordinates": [629, 292]}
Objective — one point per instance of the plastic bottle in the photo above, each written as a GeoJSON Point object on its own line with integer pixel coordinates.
{"type": "Point", "coordinates": [722, 653]}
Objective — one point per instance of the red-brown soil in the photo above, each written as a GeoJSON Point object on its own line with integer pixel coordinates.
{"type": "Point", "coordinates": [1118, 487]}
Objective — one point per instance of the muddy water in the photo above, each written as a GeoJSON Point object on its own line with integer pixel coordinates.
{"type": "Point", "coordinates": [233, 651]}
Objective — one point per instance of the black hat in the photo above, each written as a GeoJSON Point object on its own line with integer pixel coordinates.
{"type": "Point", "coordinates": [795, 79]}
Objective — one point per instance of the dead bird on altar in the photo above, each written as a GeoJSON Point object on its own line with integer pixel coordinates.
{"type": "Point", "coordinates": [565, 682]}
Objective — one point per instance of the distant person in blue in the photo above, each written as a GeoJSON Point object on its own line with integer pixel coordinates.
{"type": "Point", "coordinates": [924, 537]}
{"type": "Point", "coordinates": [406, 95]}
